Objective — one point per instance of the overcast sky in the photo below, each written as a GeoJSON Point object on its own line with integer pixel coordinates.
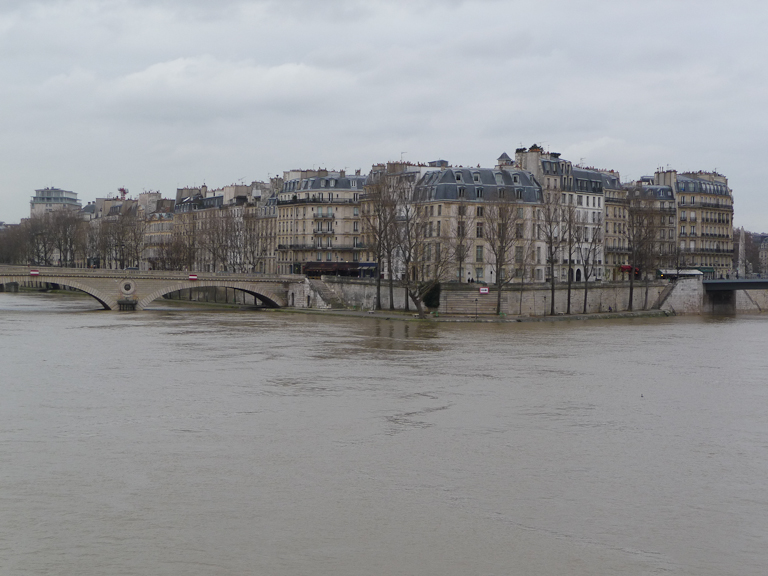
{"type": "Point", "coordinates": [155, 95]}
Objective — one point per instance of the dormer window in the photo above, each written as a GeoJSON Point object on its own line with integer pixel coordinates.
{"type": "Point", "coordinates": [476, 178]}
{"type": "Point", "coordinates": [516, 179]}
{"type": "Point", "coordinates": [499, 178]}
{"type": "Point", "coordinates": [461, 191]}
{"type": "Point", "coordinates": [479, 192]}
{"type": "Point", "coordinates": [322, 183]}
{"type": "Point", "coordinates": [354, 183]}
{"type": "Point", "coordinates": [458, 177]}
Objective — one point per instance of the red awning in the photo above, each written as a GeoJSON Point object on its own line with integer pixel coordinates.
{"type": "Point", "coordinates": [626, 268]}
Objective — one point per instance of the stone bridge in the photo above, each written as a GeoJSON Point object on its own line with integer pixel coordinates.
{"type": "Point", "coordinates": [134, 289]}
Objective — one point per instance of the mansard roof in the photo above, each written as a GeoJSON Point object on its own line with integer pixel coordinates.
{"type": "Point", "coordinates": [689, 183]}
{"type": "Point", "coordinates": [467, 184]}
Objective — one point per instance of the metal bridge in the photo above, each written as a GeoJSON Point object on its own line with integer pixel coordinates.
{"type": "Point", "coordinates": [734, 284]}
{"type": "Point", "coordinates": [134, 289]}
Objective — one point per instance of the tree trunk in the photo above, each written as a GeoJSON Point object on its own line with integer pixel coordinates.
{"type": "Point", "coordinates": [570, 276]}
{"type": "Point", "coordinates": [391, 285]}
{"type": "Point", "coordinates": [586, 288]}
{"type": "Point", "coordinates": [552, 288]}
{"type": "Point", "coordinates": [498, 295]}
{"type": "Point", "coordinates": [378, 284]}
{"type": "Point", "coordinates": [416, 302]}
{"type": "Point", "coordinates": [647, 282]}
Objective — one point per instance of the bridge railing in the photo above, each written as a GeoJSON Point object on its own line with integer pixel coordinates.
{"type": "Point", "coordinates": [61, 272]}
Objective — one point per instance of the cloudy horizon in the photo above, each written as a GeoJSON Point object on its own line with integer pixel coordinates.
{"type": "Point", "coordinates": [157, 95]}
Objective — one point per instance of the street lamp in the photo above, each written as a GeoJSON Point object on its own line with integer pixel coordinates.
{"type": "Point", "coordinates": [475, 309]}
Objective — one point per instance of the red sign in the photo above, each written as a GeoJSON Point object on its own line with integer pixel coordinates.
{"type": "Point", "coordinates": [193, 276]}
{"type": "Point", "coordinates": [34, 272]}
{"type": "Point", "coordinates": [483, 290]}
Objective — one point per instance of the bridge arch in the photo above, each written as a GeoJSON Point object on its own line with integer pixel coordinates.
{"type": "Point", "coordinates": [263, 293]}
{"type": "Point", "coordinates": [107, 302]}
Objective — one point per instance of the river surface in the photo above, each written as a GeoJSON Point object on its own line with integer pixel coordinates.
{"type": "Point", "coordinates": [185, 443]}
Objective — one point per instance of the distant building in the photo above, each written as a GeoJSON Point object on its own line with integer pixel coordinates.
{"type": "Point", "coordinates": [48, 200]}
{"type": "Point", "coordinates": [319, 230]}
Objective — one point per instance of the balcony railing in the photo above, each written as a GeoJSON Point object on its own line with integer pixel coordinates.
{"type": "Point", "coordinates": [317, 201]}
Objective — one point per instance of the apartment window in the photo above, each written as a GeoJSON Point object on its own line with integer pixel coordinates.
{"type": "Point", "coordinates": [356, 211]}
{"type": "Point", "coordinates": [480, 211]}
{"type": "Point", "coordinates": [355, 226]}
{"type": "Point", "coordinates": [479, 192]}
{"type": "Point", "coordinates": [461, 191]}
{"type": "Point", "coordinates": [462, 210]}
{"type": "Point", "coordinates": [439, 209]}
{"type": "Point", "coordinates": [501, 192]}
{"type": "Point", "coordinates": [519, 193]}
{"type": "Point", "coordinates": [458, 177]}
{"type": "Point", "coordinates": [354, 183]}
{"type": "Point", "coordinates": [520, 213]}
{"type": "Point", "coordinates": [538, 254]}
{"type": "Point", "coordinates": [579, 200]}
{"type": "Point", "coordinates": [518, 254]}
{"type": "Point", "coordinates": [479, 273]}
{"type": "Point", "coordinates": [438, 227]}
{"type": "Point", "coordinates": [478, 254]}
{"type": "Point", "coordinates": [328, 256]}
{"type": "Point", "coordinates": [319, 256]}
{"type": "Point", "coordinates": [322, 183]}
{"type": "Point", "coordinates": [476, 177]}
{"type": "Point", "coordinates": [479, 230]}
{"type": "Point", "coordinates": [460, 229]}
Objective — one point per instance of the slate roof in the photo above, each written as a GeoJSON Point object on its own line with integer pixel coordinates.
{"type": "Point", "coordinates": [700, 185]}
{"type": "Point", "coordinates": [446, 185]}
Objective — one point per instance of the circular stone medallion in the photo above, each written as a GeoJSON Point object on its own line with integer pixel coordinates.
{"type": "Point", "coordinates": [127, 287]}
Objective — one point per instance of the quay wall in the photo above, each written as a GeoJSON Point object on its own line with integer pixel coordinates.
{"type": "Point", "coordinates": [533, 300]}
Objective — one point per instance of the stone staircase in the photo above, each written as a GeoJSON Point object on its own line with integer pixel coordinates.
{"type": "Point", "coordinates": [328, 296]}
{"type": "Point", "coordinates": [463, 303]}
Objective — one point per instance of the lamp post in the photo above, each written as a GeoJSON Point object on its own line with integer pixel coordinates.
{"type": "Point", "coordinates": [475, 309]}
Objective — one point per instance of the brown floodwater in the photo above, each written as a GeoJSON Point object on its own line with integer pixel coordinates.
{"type": "Point", "coordinates": [184, 443]}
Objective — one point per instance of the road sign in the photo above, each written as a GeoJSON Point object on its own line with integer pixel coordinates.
{"type": "Point", "coordinates": [483, 290]}
{"type": "Point", "coordinates": [34, 272]}
{"type": "Point", "coordinates": [193, 276]}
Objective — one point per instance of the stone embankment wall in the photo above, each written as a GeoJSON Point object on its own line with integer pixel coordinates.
{"type": "Point", "coordinates": [685, 297]}
{"type": "Point", "coordinates": [463, 299]}
{"type": "Point", "coordinates": [751, 301]}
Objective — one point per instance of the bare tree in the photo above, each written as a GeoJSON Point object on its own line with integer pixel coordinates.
{"type": "Point", "coordinates": [571, 230]}
{"type": "Point", "coordinates": [257, 230]}
{"type": "Point", "coordinates": [460, 240]}
{"type": "Point", "coordinates": [379, 225]}
{"type": "Point", "coordinates": [638, 232]}
{"type": "Point", "coordinates": [551, 233]}
{"type": "Point", "coordinates": [40, 239]}
{"type": "Point", "coordinates": [503, 228]}
{"type": "Point", "coordinates": [592, 246]}
{"type": "Point", "coordinates": [425, 258]}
